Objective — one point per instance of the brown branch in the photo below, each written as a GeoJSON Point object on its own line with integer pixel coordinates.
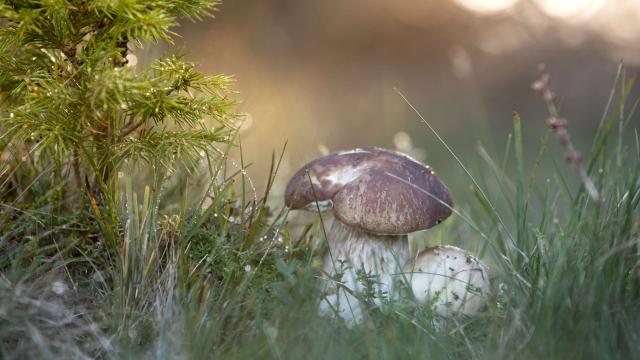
{"type": "Point", "coordinates": [69, 50]}
{"type": "Point", "coordinates": [560, 127]}
{"type": "Point", "coordinates": [130, 127]}
{"type": "Point", "coordinates": [76, 168]}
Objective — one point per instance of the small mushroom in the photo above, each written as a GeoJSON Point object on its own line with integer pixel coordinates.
{"type": "Point", "coordinates": [377, 196]}
{"type": "Point", "coordinates": [449, 279]}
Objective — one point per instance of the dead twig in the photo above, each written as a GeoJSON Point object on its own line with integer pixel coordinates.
{"type": "Point", "coordinates": [560, 128]}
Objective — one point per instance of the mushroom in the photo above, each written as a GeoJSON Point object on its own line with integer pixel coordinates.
{"type": "Point", "coordinates": [377, 196]}
{"type": "Point", "coordinates": [449, 279]}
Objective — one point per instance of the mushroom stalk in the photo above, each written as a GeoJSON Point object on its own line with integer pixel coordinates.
{"type": "Point", "coordinates": [370, 191]}
{"type": "Point", "coordinates": [359, 262]}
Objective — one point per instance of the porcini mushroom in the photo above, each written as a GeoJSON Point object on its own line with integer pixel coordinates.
{"type": "Point", "coordinates": [378, 196]}
{"type": "Point", "coordinates": [449, 279]}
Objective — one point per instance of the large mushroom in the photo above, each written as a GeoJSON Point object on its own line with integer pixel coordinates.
{"type": "Point", "coordinates": [377, 196]}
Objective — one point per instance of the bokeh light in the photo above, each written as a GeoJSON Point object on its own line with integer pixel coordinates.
{"type": "Point", "coordinates": [402, 141]}
{"type": "Point", "coordinates": [132, 60]}
{"type": "Point", "coordinates": [321, 77]}
{"type": "Point", "coordinates": [247, 121]}
{"type": "Point", "coordinates": [570, 10]}
{"type": "Point", "coordinates": [619, 22]}
{"type": "Point", "coordinates": [487, 6]}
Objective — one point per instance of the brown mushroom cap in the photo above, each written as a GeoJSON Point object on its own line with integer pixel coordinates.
{"type": "Point", "coordinates": [376, 190]}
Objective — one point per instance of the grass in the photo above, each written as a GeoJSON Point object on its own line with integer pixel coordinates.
{"type": "Point", "coordinates": [201, 269]}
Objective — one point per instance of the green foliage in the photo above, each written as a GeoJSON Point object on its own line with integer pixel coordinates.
{"type": "Point", "coordinates": [75, 109]}
{"type": "Point", "coordinates": [216, 273]}
{"type": "Point", "coordinates": [565, 269]}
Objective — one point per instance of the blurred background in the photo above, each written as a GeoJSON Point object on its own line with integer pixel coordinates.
{"type": "Point", "coordinates": [320, 74]}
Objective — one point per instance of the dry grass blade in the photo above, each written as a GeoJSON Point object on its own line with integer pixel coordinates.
{"type": "Point", "coordinates": [560, 127]}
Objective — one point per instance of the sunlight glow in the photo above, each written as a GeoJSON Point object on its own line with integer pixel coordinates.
{"type": "Point", "coordinates": [572, 10]}
{"type": "Point", "coordinates": [487, 6]}
{"type": "Point", "coordinates": [619, 22]}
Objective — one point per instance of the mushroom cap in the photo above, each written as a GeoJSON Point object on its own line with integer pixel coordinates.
{"type": "Point", "coordinates": [450, 279]}
{"type": "Point", "coordinates": [373, 189]}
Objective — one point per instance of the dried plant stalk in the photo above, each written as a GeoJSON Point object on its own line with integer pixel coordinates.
{"type": "Point", "coordinates": [560, 128]}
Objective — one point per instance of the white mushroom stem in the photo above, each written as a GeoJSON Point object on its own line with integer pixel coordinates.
{"type": "Point", "coordinates": [356, 259]}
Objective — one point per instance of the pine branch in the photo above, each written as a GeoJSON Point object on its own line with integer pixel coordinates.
{"type": "Point", "coordinates": [68, 92]}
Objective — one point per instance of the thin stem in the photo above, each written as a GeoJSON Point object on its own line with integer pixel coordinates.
{"type": "Point", "coordinates": [560, 127]}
